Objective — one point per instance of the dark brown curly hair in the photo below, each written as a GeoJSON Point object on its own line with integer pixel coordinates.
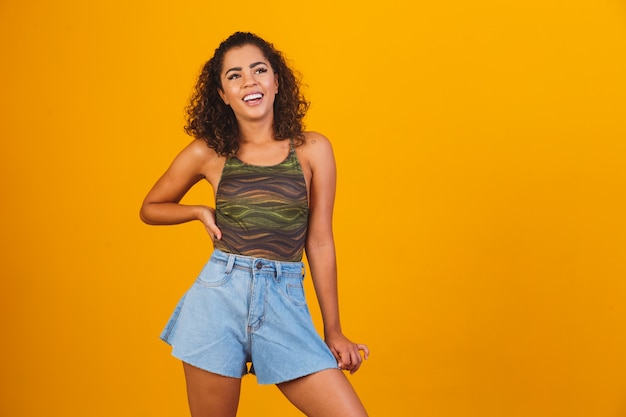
{"type": "Point", "coordinates": [210, 119]}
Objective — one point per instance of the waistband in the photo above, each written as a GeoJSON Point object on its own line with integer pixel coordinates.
{"type": "Point", "coordinates": [260, 264]}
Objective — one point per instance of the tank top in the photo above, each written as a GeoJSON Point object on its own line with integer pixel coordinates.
{"type": "Point", "coordinates": [262, 211]}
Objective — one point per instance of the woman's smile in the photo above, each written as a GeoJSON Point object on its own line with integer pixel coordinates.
{"type": "Point", "coordinates": [253, 98]}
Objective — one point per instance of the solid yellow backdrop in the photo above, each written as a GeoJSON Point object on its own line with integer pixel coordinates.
{"type": "Point", "coordinates": [479, 220]}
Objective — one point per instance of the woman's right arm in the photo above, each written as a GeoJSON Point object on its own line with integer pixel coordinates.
{"type": "Point", "coordinates": [162, 204]}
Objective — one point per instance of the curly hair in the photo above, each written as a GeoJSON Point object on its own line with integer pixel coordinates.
{"type": "Point", "coordinates": [210, 119]}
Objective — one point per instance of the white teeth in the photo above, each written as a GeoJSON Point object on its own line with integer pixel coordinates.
{"type": "Point", "coordinates": [252, 97]}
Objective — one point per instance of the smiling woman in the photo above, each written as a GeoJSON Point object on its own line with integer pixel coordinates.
{"type": "Point", "coordinates": [479, 225]}
{"type": "Point", "coordinates": [249, 88]}
{"type": "Point", "coordinates": [207, 102]}
{"type": "Point", "coordinates": [274, 188]}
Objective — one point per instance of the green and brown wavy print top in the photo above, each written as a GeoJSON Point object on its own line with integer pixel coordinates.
{"type": "Point", "coordinates": [263, 211]}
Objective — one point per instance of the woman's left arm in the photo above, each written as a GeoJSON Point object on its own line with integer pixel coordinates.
{"type": "Point", "coordinates": [320, 251]}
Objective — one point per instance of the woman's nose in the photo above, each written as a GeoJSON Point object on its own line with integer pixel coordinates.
{"type": "Point", "coordinates": [248, 80]}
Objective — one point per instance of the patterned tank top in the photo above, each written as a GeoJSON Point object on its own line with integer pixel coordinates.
{"type": "Point", "coordinates": [262, 211]}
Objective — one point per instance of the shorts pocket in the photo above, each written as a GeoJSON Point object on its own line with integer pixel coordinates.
{"type": "Point", "coordinates": [214, 274]}
{"type": "Point", "coordinates": [295, 293]}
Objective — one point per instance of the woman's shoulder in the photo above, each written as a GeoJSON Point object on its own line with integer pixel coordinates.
{"type": "Point", "coordinates": [315, 150]}
{"type": "Point", "coordinates": [315, 142]}
{"type": "Point", "coordinates": [198, 150]}
{"type": "Point", "coordinates": [312, 137]}
{"type": "Point", "coordinates": [199, 158]}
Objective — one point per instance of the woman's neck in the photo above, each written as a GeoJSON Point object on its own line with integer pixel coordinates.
{"type": "Point", "coordinates": [256, 131]}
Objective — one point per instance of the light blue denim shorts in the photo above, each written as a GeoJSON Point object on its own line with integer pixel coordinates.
{"type": "Point", "coordinates": [244, 310]}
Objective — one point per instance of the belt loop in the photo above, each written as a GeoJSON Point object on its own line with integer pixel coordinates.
{"type": "Point", "coordinates": [230, 263]}
{"type": "Point", "coordinates": [279, 271]}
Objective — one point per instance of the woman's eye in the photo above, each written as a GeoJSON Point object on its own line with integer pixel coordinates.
{"type": "Point", "coordinates": [260, 70]}
{"type": "Point", "coordinates": [233, 76]}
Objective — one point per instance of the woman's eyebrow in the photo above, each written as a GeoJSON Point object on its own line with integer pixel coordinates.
{"type": "Point", "coordinates": [251, 66]}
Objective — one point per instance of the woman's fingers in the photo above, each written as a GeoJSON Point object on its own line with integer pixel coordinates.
{"type": "Point", "coordinates": [363, 348]}
{"type": "Point", "coordinates": [208, 218]}
{"type": "Point", "coordinates": [351, 360]}
{"type": "Point", "coordinates": [214, 232]}
{"type": "Point", "coordinates": [347, 353]}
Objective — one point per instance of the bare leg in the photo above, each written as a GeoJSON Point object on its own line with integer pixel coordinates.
{"type": "Point", "coordinates": [211, 395]}
{"type": "Point", "coordinates": [326, 393]}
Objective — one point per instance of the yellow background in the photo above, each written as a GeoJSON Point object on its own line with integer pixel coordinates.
{"type": "Point", "coordinates": [479, 220]}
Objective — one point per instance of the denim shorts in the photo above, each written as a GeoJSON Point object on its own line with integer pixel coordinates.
{"type": "Point", "coordinates": [244, 310]}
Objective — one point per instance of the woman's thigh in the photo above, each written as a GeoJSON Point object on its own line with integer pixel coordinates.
{"type": "Point", "coordinates": [324, 394]}
{"type": "Point", "coordinates": [211, 395]}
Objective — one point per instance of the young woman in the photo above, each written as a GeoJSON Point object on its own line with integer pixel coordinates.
{"type": "Point", "coordinates": [274, 190]}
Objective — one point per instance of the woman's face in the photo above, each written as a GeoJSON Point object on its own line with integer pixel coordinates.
{"type": "Point", "coordinates": [248, 83]}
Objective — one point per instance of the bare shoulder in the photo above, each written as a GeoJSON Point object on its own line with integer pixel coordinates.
{"type": "Point", "coordinates": [199, 151]}
{"type": "Point", "coordinates": [316, 146]}
{"type": "Point", "coordinates": [316, 155]}
{"type": "Point", "coordinates": [316, 141]}
{"type": "Point", "coordinates": [197, 160]}
{"type": "Point", "coordinates": [198, 156]}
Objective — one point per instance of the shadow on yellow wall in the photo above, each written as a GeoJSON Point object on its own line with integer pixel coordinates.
{"type": "Point", "coordinates": [479, 220]}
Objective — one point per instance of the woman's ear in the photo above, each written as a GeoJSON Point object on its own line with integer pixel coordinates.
{"type": "Point", "coordinates": [223, 96]}
{"type": "Point", "coordinates": [276, 82]}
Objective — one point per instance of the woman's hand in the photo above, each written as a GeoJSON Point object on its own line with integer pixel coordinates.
{"type": "Point", "coordinates": [207, 217]}
{"type": "Point", "coordinates": [347, 353]}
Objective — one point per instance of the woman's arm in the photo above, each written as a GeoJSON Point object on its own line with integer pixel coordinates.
{"type": "Point", "coordinates": [320, 250]}
{"type": "Point", "coordinates": [162, 204]}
